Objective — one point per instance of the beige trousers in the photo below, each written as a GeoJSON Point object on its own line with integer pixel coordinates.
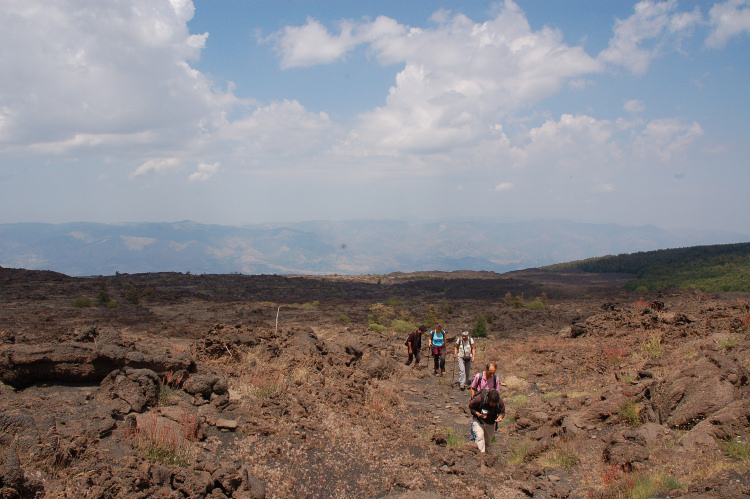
{"type": "Point", "coordinates": [484, 434]}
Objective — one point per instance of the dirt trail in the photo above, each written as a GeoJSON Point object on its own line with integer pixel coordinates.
{"type": "Point", "coordinates": [436, 403]}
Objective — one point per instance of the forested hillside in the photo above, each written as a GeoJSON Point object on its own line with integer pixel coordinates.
{"type": "Point", "coordinates": [723, 267]}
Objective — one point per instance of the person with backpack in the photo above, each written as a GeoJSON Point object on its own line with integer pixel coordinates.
{"type": "Point", "coordinates": [487, 409]}
{"type": "Point", "coordinates": [437, 347]}
{"type": "Point", "coordinates": [485, 380]}
{"type": "Point", "coordinates": [464, 352]}
{"type": "Point", "coordinates": [414, 345]}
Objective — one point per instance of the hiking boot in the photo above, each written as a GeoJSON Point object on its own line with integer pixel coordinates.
{"type": "Point", "coordinates": [436, 372]}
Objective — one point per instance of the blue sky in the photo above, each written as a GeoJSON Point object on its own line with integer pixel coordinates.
{"type": "Point", "coordinates": [240, 112]}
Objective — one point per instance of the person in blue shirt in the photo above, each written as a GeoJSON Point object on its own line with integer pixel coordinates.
{"type": "Point", "coordinates": [437, 348]}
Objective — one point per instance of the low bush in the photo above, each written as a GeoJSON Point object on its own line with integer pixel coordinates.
{"type": "Point", "coordinates": [453, 439]}
{"type": "Point", "coordinates": [536, 305]}
{"type": "Point", "coordinates": [402, 327]}
{"type": "Point", "coordinates": [653, 347]}
{"type": "Point", "coordinates": [724, 343]}
{"type": "Point", "coordinates": [561, 456]}
{"type": "Point", "coordinates": [342, 319]}
{"type": "Point", "coordinates": [377, 328]}
{"type": "Point", "coordinates": [631, 413]}
{"type": "Point", "coordinates": [380, 314]}
{"type": "Point", "coordinates": [517, 451]}
{"type": "Point", "coordinates": [132, 295]}
{"type": "Point", "coordinates": [735, 448]}
{"type": "Point", "coordinates": [83, 302]}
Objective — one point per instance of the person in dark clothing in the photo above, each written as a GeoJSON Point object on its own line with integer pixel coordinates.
{"type": "Point", "coordinates": [487, 409]}
{"type": "Point", "coordinates": [414, 345]}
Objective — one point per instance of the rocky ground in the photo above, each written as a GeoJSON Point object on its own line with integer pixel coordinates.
{"type": "Point", "coordinates": [267, 386]}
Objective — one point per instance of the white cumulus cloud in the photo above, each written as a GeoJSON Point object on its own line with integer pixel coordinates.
{"type": "Point", "coordinates": [639, 39]}
{"type": "Point", "coordinates": [666, 138]}
{"type": "Point", "coordinates": [728, 19]}
{"type": "Point", "coordinates": [156, 166]}
{"type": "Point", "coordinates": [96, 73]}
{"type": "Point", "coordinates": [460, 77]}
{"type": "Point", "coordinates": [205, 172]}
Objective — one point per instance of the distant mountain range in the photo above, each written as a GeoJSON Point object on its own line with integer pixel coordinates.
{"type": "Point", "coordinates": [348, 247]}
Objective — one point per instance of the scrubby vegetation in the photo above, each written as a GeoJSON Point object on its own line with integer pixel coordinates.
{"type": "Point", "coordinates": [722, 267]}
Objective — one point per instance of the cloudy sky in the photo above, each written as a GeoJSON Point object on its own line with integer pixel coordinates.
{"type": "Point", "coordinates": [251, 111]}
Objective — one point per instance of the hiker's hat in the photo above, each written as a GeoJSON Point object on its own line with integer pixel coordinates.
{"type": "Point", "coordinates": [465, 333]}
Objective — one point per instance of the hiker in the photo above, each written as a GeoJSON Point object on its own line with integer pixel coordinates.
{"type": "Point", "coordinates": [464, 352]}
{"type": "Point", "coordinates": [414, 345]}
{"type": "Point", "coordinates": [487, 409]}
{"type": "Point", "coordinates": [485, 380]}
{"type": "Point", "coordinates": [437, 347]}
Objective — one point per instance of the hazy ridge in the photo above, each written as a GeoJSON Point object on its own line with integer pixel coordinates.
{"type": "Point", "coordinates": [320, 247]}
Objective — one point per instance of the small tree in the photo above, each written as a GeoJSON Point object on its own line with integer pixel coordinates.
{"type": "Point", "coordinates": [518, 301]}
{"type": "Point", "coordinates": [508, 300]}
{"type": "Point", "coordinates": [132, 295]}
{"type": "Point", "coordinates": [431, 319]}
{"type": "Point", "coordinates": [103, 297]}
{"type": "Point", "coordinates": [480, 328]}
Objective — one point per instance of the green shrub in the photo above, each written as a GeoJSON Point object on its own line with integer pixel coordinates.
{"type": "Point", "coordinates": [112, 304]}
{"type": "Point", "coordinates": [724, 343]}
{"type": "Point", "coordinates": [380, 314]}
{"type": "Point", "coordinates": [376, 327]}
{"type": "Point", "coordinates": [431, 319]}
{"type": "Point", "coordinates": [453, 439]}
{"type": "Point", "coordinates": [517, 301]}
{"type": "Point", "coordinates": [342, 319]}
{"type": "Point", "coordinates": [517, 451]}
{"type": "Point", "coordinates": [166, 393]}
{"type": "Point", "coordinates": [132, 295]}
{"type": "Point", "coordinates": [480, 328]}
{"type": "Point", "coordinates": [520, 399]}
{"type": "Point", "coordinates": [631, 413]}
{"type": "Point", "coordinates": [394, 301]}
{"type": "Point", "coordinates": [103, 298]}
{"type": "Point", "coordinates": [561, 456]}
{"type": "Point", "coordinates": [653, 348]}
{"type": "Point", "coordinates": [402, 327]}
{"type": "Point", "coordinates": [82, 302]}
{"type": "Point", "coordinates": [735, 448]}
{"type": "Point", "coordinates": [536, 305]}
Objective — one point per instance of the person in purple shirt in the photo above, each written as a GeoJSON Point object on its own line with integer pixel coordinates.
{"type": "Point", "coordinates": [485, 380]}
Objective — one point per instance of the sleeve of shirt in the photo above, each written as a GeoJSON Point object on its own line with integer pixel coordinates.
{"type": "Point", "coordinates": [476, 403]}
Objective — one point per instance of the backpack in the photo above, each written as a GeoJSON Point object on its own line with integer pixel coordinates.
{"type": "Point", "coordinates": [485, 392]}
{"type": "Point", "coordinates": [478, 378]}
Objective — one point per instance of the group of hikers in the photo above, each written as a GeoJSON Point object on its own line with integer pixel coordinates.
{"type": "Point", "coordinates": [485, 404]}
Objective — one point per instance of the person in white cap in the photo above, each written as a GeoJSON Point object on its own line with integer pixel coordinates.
{"type": "Point", "coordinates": [464, 352]}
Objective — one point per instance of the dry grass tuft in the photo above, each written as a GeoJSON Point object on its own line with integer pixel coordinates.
{"type": "Point", "coordinates": [382, 402]}
{"type": "Point", "coordinates": [160, 440]}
